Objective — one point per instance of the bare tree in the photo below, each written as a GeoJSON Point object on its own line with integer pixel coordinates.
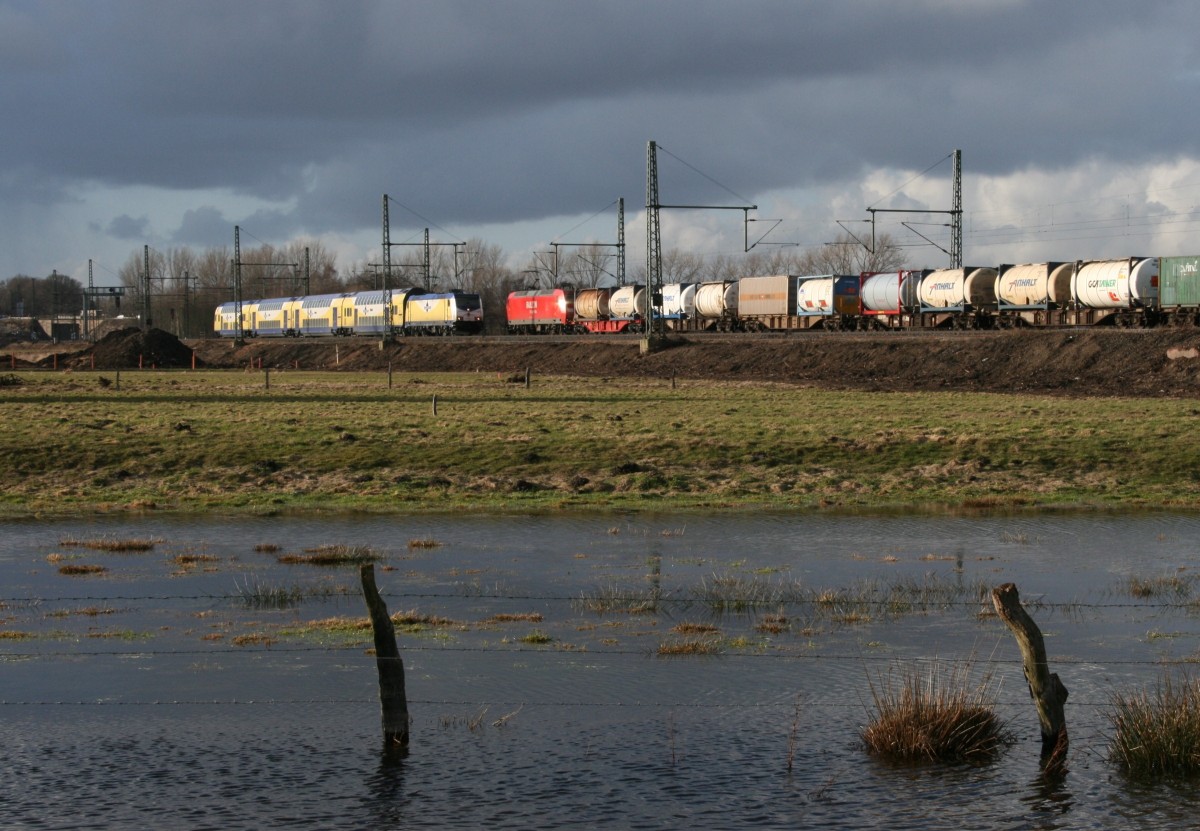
{"type": "Point", "coordinates": [588, 266]}
{"type": "Point", "coordinates": [847, 255]}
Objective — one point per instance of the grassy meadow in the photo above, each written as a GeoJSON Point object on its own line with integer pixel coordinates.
{"type": "Point", "coordinates": [249, 441]}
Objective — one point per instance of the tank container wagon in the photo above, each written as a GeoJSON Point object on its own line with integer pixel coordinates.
{"type": "Point", "coordinates": [445, 313]}
{"type": "Point", "coordinates": [678, 307]}
{"type": "Point", "coordinates": [611, 310]}
{"type": "Point", "coordinates": [958, 298]}
{"type": "Point", "coordinates": [1179, 290]}
{"type": "Point", "coordinates": [1120, 292]}
{"type": "Point", "coordinates": [1033, 294]}
{"type": "Point", "coordinates": [716, 305]}
{"type": "Point", "coordinates": [890, 299]}
{"type": "Point", "coordinates": [540, 312]}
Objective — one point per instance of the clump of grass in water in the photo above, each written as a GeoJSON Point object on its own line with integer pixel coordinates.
{"type": "Point", "coordinates": [334, 555]}
{"type": "Point", "coordinates": [538, 638]}
{"type": "Point", "coordinates": [732, 593]}
{"type": "Point", "coordinates": [690, 646]}
{"type": "Point", "coordinates": [621, 600]}
{"type": "Point", "coordinates": [1175, 585]}
{"type": "Point", "coordinates": [423, 542]}
{"type": "Point", "coordinates": [258, 595]}
{"type": "Point", "coordinates": [1156, 733]}
{"type": "Point", "coordinates": [935, 716]}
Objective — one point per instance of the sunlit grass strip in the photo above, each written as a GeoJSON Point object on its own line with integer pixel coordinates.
{"type": "Point", "coordinates": [515, 617]}
{"type": "Point", "coordinates": [79, 569]}
{"type": "Point", "coordinates": [333, 555]}
{"type": "Point", "coordinates": [108, 544]}
{"type": "Point", "coordinates": [936, 715]}
{"type": "Point", "coordinates": [689, 646]}
{"type": "Point", "coordinates": [1156, 733]}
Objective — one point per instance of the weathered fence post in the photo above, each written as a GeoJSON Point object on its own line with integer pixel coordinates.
{"type": "Point", "coordinates": [526, 377]}
{"type": "Point", "coordinates": [392, 696]}
{"type": "Point", "coordinates": [267, 379]}
{"type": "Point", "coordinates": [1047, 691]}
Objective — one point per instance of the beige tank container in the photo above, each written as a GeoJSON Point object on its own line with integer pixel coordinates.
{"type": "Point", "coordinates": [592, 304]}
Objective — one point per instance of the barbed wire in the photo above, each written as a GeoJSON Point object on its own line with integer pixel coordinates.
{"type": "Point", "coordinates": [806, 702]}
{"type": "Point", "coordinates": [897, 601]}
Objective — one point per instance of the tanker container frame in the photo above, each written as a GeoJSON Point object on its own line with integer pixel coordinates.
{"type": "Point", "coordinates": [1122, 292]}
{"type": "Point", "coordinates": [882, 307]}
{"type": "Point", "coordinates": [1033, 294]}
{"type": "Point", "coordinates": [958, 298]}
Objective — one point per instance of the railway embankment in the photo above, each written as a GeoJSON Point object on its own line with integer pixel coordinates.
{"type": "Point", "coordinates": [1100, 362]}
{"type": "Point", "coordinates": [1077, 362]}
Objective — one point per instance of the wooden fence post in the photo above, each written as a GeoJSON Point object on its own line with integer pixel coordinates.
{"type": "Point", "coordinates": [1048, 692]}
{"type": "Point", "coordinates": [392, 696]}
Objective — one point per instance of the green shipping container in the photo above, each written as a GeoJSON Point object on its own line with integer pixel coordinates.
{"type": "Point", "coordinates": [1179, 281]}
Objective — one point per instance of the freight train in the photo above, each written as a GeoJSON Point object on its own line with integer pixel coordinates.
{"type": "Point", "coordinates": [412, 312]}
{"type": "Point", "coordinates": [1127, 292]}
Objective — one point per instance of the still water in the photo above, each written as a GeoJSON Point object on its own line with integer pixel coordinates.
{"type": "Point", "coordinates": [166, 691]}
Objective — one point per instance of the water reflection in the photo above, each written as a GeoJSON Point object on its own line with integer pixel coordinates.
{"type": "Point", "coordinates": [386, 797]}
{"type": "Point", "coordinates": [1049, 801]}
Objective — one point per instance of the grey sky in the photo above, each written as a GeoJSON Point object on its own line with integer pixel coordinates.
{"type": "Point", "coordinates": [130, 123]}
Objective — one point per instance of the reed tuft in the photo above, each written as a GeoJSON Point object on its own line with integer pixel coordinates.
{"type": "Point", "coordinates": [934, 716]}
{"type": "Point", "coordinates": [1156, 732]}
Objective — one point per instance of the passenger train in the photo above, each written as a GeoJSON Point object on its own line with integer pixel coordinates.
{"type": "Point", "coordinates": [412, 312]}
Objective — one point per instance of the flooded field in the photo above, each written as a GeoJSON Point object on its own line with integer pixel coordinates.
{"type": "Point", "coordinates": [649, 672]}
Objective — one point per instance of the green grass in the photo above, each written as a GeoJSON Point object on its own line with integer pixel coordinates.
{"type": "Point", "coordinates": [343, 441]}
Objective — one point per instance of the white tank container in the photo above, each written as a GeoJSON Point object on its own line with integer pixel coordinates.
{"type": "Point", "coordinates": [956, 287]}
{"type": "Point", "coordinates": [592, 304]}
{"type": "Point", "coordinates": [714, 299]}
{"type": "Point", "coordinates": [1035, 284]}
{"type": "Point", "coordinates": [1116, 284]}
{"type": "Point", "coordinates": [678, 299]}
{"type": "Point", "coordinates": [814, 295]}
{"type": "Point", "coordinates": [628, 302]}
{"type": "Point", "coordinates": [890, 291]}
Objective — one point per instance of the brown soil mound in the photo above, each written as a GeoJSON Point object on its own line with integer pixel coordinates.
{"type": "Point", "coordinates": [130, 348]}
{"type": "Point", "coordinates": [1106, 362]}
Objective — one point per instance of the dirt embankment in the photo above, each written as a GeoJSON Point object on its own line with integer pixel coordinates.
{"type": "Point", "coordinates": [1104, 362]}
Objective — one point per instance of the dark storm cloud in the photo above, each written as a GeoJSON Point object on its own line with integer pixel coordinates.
{"type": "Point", "coordinates": [127, 227]}
{"type": "Point", "coordinates": [481, 112]}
